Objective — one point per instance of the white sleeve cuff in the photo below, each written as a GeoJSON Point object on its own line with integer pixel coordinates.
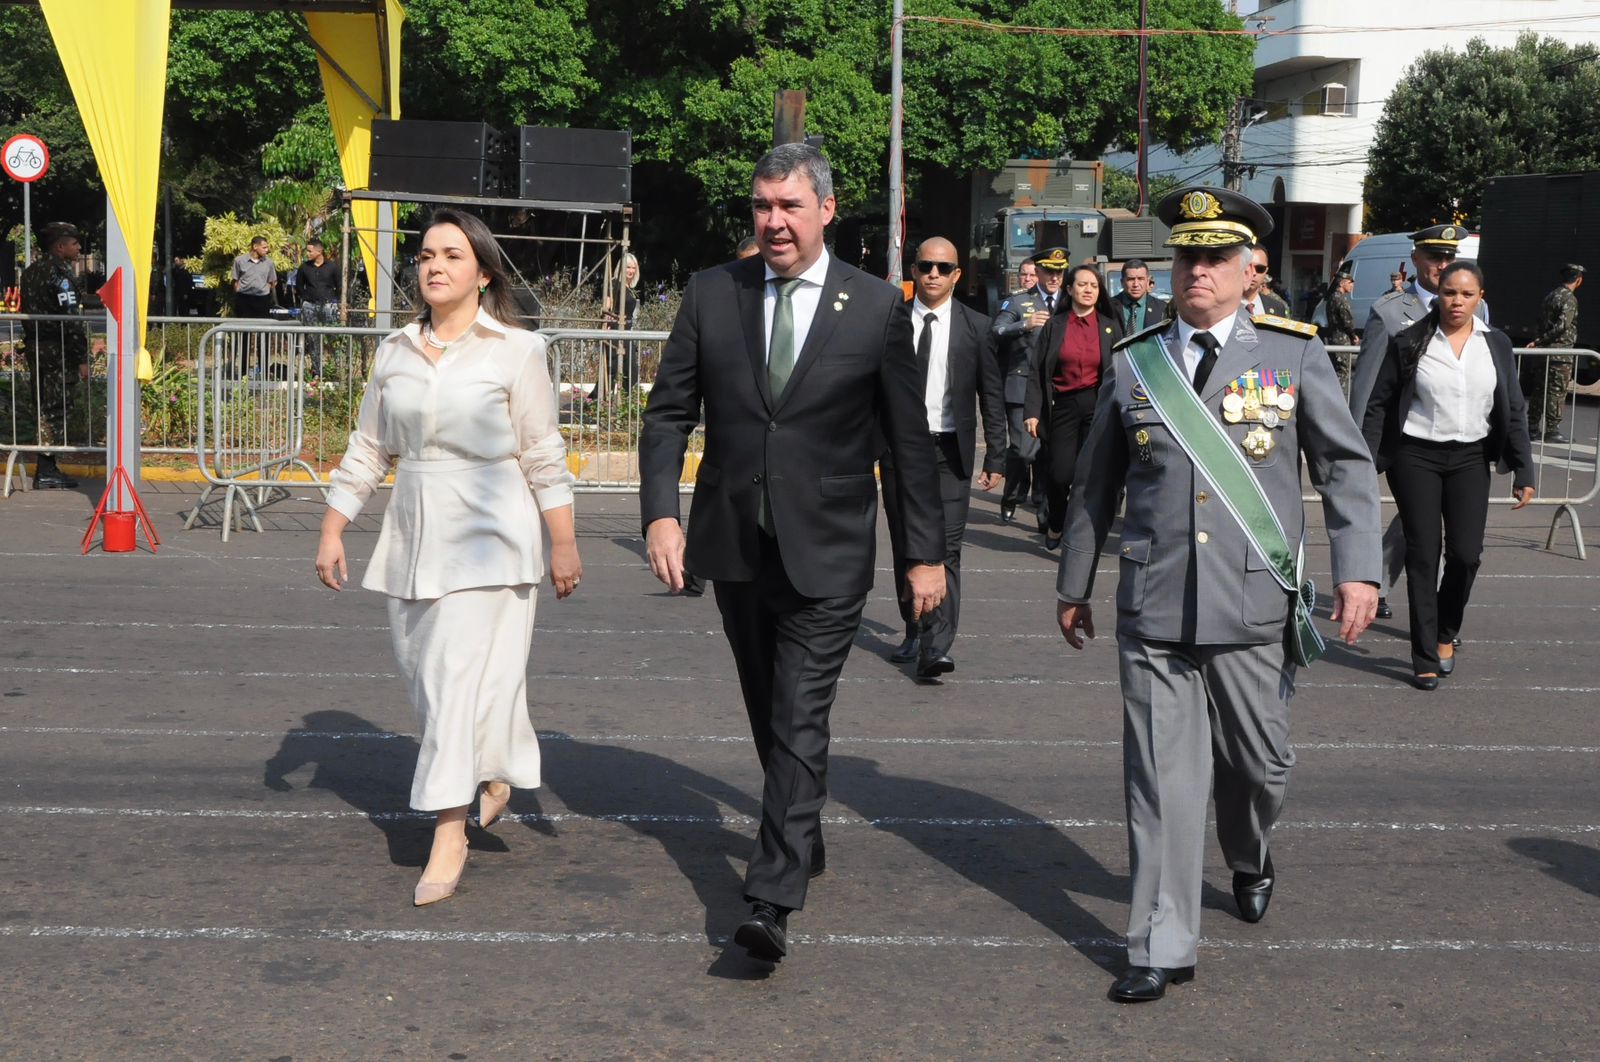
{"type": "Point", "coordinates": [345, 503]}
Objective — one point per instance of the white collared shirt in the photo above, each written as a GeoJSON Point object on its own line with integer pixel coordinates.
{"type": "Point", "coordinates": [1190, 350]}
{"type": "Point", "coordinates": [940, 417]}
{"type": "Point", "coordinates": [1453, 397]}
{"type": "Point", "coordinates": [805, 300]}
{"type": "Point", "coordinates": [1424, 296]}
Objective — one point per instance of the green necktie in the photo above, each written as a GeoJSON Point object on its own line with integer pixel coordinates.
{"type": "Point", "coordinates": [780, 352]}
{"type": "Point", "coordinates": [1138, 316]}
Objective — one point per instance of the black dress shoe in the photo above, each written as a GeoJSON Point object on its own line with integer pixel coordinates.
{"type": "Point", "coordinates": [1455, 643]}
{"type": "Point", "coordinates": [765, 934]}
{"type": "Point", "coordinates": [907, 651]}
{"type": "Point", "coordinates": [929, 668]}
{"type": "Point", "coordinates": [1142, 984]}
{"type": "Point", "coordinates": [1555, 437]}
{"type": "Point", "coordinates": [1447, 665]}
{"type": "Point", "coordinates": [1252, 892]}
{"type": "Point", "coordinates": [1384, 611]}
{"type": "Point", "coordinates": [1052, 542]}
{"type": "Point", "coordinates": [1008, 513]}
{"type": "Point", "coordinates": [1425, 682]}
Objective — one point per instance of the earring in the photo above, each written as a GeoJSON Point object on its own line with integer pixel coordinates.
{"type": "Point", "coordinates": [482, 288]}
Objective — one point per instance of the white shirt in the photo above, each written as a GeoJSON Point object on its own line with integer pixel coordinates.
{"type": "Point", "coordinates": [1191, 351]}
{"type": "Point", "coordinates": [804, 299]}
{"type": "Point", "coordinates": [480, 457]}
{"type": "Point", "coordinates": [1424, 296]}
{"type": "Point", "coordinates": [940, 417]}
{"type": "Point", "coordinates": [1453, 397]}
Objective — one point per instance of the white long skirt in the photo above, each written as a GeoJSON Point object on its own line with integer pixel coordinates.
{"type": "Point", "coordinates": [464, 658]}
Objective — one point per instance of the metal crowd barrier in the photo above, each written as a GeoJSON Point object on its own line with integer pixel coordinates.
{"type": "Point", "coordinates": [1567, 474]}
{"type": "Point", "coordinates": [603, 380]}
{"type": "Point", "coordinates": [40, 381]}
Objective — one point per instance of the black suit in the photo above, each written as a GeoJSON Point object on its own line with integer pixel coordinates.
{"type": "Point", "coordinates": [1443, 482]}
{"type": "Point", "coordinates": [1154, 311]}
{"type": "Point", "coordinates": [1064, 417]}
{"type": "Point", "coordinates": [791, 602]}
{"type": "Point", "coordinates": [972, 381]}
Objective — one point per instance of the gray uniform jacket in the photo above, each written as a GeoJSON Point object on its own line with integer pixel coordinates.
{"type": "Point", "coordinates": [1188, 574]}
{"type": "Point", "coordinates": [1016, 345]}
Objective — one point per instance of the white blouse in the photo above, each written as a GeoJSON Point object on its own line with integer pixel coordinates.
{"type": "Point", "coordinates": [1453, 397]}
{"type": "Point", "coordinates": [480, 456]}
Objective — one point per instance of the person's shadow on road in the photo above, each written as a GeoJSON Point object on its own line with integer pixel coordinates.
{"type": "Point", "coordinates": [1569, 863]}
{"type": "Point", "coordinates": [1035, 868]}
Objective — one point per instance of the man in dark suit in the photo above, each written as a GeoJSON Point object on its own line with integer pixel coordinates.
{"type": "Point", "coordinates": [804, 364]}
{"type": "Point", "coordinates": [1136, 306]}
{"type": "Point", "coordinates": [1260, 301]}
{"type": "Point", "coordinates": [961, 374]}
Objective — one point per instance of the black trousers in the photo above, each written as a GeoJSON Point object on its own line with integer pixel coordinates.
{"type": "Point", "coordinates": [1023, 482]}
{"type": "Point", "coordinates": [1434, 484]}
{"type": "Point", "coordinates": [247, 305]}
{"type": "Point", "coordinates": [789, 650]}
{"type": "Point", "coordinates": [937, 629]}
{"type": "Point", "coordinates": [1070, 415]}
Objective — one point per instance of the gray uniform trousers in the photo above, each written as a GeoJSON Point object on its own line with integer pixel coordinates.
{"type": "Point", "coordinates": [1192, 713]}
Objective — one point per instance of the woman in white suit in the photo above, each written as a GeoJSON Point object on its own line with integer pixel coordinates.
{"type": "Point", "coordinates": [462, 398]}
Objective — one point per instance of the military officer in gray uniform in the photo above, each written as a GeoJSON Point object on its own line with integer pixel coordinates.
{"type": "Point", "coordinates": [1202, 620]}
{"type": "Point", "coordinates": [1432, 249]}
{"type": "Point", "coordinates": [1016, 329]}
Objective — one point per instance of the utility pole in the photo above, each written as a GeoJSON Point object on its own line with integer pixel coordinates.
{"type": "Point", "coordinates": [1232, 147]}
{"type": "Point", "coordinates": [1144, 114]}
{"type": "Point", "coordinates": [897, 189]}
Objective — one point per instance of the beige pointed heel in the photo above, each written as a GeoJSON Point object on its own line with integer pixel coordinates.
{"type": "Point", "coordinates": [428, 892]}
{"type": "Point", "coordinates": [490, 806]}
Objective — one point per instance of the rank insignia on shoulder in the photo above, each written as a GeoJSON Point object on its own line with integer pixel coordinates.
{"type": "Point", "coordinates": [1006, 305]}
{"type": "Point", "coordinates": [1284, 324]}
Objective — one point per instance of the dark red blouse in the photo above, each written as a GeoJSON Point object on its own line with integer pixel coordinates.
{"type": "Point", "coordinates": [1079, 358]}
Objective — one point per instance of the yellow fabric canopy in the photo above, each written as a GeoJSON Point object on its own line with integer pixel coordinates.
{"type": "Point", "coordinates": [366, 47]}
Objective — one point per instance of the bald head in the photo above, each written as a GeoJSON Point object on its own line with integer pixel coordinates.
{"type": "Point", "coordinates": [936, 273]}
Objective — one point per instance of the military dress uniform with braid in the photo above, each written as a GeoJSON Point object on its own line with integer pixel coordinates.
{"type": "Point", "coordinates": [56, 349]}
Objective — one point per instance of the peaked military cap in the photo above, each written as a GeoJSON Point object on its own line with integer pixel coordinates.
{"type": "Point", "coordinates": [1055, 258]}
{"type": "Point", "coordinates": [1202, 216]}
{"type": "Point", "coordinates": [1438, 238]}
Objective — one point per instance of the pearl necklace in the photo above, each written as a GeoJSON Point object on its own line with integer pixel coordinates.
{"type": "Point", "coordinates": [431, 337]}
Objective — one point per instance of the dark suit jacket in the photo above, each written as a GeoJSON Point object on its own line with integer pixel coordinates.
{"type": "Point", "coordinates": [1154, 310]}
{"type": "Point", "coordinates": [1507, 446]}
{"type": "Point", "coordinates": [812, 449]}
{"type": "Point", "coordinates": [973, 379]}
{"type": "Point", "coordinates": [1041, 385]}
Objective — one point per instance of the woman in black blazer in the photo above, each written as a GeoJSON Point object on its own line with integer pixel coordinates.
{"type": "Point", "coordinates": [1445, 408]}
{"type": "Point", "coordinates": [1073, 356]}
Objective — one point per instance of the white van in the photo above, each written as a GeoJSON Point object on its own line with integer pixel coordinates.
{"type": "Point", "coordinates": [1374, 258]}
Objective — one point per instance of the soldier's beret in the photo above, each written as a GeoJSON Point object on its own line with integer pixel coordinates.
{"type": "Point", "coordinates": [1052, 258]}
{"type": "Point", "coordinates": [1203, 216]}
{"type": "Point", "coordinates": [58, 230]}
{"type": "Point", "coordinates": [1570, 272]}
{"type": "Point", "coordinates": [1439, 238]}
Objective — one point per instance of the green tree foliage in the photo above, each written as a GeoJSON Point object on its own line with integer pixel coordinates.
{"type": "Point", "coordinates": [301, 164]}
{"type": "Point", "coordinates": [227, 237]}
{"type": "Point", "coordinates": [1457, 118]}
{"type": "Point", "coordinates": [1122, 188]}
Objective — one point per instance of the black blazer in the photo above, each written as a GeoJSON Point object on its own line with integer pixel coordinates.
{"type": "Point", "coordinates": [1047, 355]}
{"type": "Point", "coordinates": [1154, 310]}
{"type": "Point", "coordinates": [1507, 446]}
{"type": "Point", "coordinates": [812, 449]}
{"type": "Point", "coordinates": [973, 379]}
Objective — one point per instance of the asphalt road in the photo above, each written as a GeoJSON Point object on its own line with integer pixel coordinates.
{"type": "Point", "coordinates": [204, 762]}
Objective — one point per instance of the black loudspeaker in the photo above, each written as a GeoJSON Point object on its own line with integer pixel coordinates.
{"type": "Point", "coordinates": [440, 176]}
{"type": "Point", "coordinates": [528, 304]}
{"type": "Point", "coordinates": [577, 147]}
{"type": "Point", "coordinates": [446, 140]}
{"type": "Point", "coordinates": [577, 184]}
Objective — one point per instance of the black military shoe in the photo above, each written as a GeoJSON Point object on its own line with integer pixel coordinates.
{"type": "Point", "coordinates": [46, 476]}
{"type": "Point", "coordinates": [930, 667]}
{"type": "Point", "coordinates": [765, 934]}
{"type": "Point", "coordinates": [1384, 611]}
{"type": "Point", "coordinates": [1555, 437]}
{"type": "Point", "coordinates": [907, 651]}
{"type": "Point", "coordinates": [1143, 984]}
{"type": "Point", "coordinates": [1252, 892]}
{"type": "Point", "coordinates": [1008, 513]}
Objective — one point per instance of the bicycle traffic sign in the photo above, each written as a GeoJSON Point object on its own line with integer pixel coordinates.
{"type": "Point", "coordinates": [25, 158]}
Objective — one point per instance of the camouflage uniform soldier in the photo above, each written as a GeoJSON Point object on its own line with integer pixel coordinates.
{"type": "Point", "coordinates": [58, 352]}
{"type": "Point", "coordinates": [1558, 327]}
{"type": "Point", "coordinates": [1341, 330]}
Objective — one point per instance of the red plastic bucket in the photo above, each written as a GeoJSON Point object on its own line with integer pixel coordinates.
{"type": "Point", "coordinates": [119, 532]}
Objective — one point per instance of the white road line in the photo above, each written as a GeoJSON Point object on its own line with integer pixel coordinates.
{"type": "Point", "coordinates": [742, 739]}
{"type": "Point", "coordinates": [734, 819]}
{"type": "Point", "coordinates": [227, 934]}
{"type": "Point", "coordinates": [856, 680]}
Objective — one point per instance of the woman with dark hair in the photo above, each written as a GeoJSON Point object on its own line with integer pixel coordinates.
{"type": "Point", "coordinates": [1445, 408]}
{"type": "Point", "coordinates": [463, 399]}
{"type": "Point", "coordinates": [1073, 356]}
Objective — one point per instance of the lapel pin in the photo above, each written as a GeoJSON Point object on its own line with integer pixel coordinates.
{"type": "Point", "coordinates": [844, 296]}
{"type": "Point", "coordinates": [838, 306]}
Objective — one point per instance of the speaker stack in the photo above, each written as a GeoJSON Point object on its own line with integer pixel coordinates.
{"type": "Point", "coordinates": [442, 158]}
{"type": "Point", "coordinates": [577, 165]}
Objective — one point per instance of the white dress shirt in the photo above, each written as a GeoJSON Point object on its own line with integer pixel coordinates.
{"type": "Point", "coordinates": [1190, 350]}
{"type": "Point", "coordinates": [940, 416]}
{"type": "Point", "coordinates": [1453, 396]}
{"type": "Point", "coordinates": [805, 300]}
{"type": "Point", "coordinates": [480, 456]}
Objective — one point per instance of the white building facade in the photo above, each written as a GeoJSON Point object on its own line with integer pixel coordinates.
{"type": "Point", "coordinates": [1324, 69]}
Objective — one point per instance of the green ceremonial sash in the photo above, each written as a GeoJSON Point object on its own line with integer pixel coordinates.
{"type": "Point", "coordinates": [1209, 447]}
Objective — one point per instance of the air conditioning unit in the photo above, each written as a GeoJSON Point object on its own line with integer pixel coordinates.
{"type": "Point", "coordinates": [1333, 101]}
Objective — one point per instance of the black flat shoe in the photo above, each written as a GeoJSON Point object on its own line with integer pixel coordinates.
{"type": "Point", "coordinates": [1145, 984]}
{"type": "Point", "coordinates": [765, 933]}
{"type": "Point", "coordinates": [1252, 892]}
{"type": "Point", "coordinates": [907, 651]}
{"type": "Point", "coordinates": [1425, 682]}
{"type": "Point", "coordinates": [1384, 611]}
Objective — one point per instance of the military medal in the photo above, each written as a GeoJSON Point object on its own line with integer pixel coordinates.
{"type": "Point", "coordinates": [1232, 407]}
{"type": "Point", "coordinates": [1269, 389]}
{"type": "Point", "coordinates": [1269, 417]}
{"type": "Point", "coordinates": [1286, 403]}
{"type": "Point", "coordinates": [1141, 439]}
{"type": "Point", "coordinates": [1257, 443]}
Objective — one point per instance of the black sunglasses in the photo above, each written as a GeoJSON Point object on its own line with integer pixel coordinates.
{"type": "Point", "coordinates": [1259, 268]}
{"type": "Point", "coordinates": [944, 269]}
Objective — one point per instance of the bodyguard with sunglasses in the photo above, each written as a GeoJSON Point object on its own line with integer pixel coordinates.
{"type": "Point", "coordinates": [960, 375]}
{"type": "Point", "coordinates": [1016, 329]}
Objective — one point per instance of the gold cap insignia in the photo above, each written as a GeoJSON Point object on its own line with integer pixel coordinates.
{"type": "Point", "coordinates": [1200, 206]}
{"type": "Point", "coordinates": [1449, 233]}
